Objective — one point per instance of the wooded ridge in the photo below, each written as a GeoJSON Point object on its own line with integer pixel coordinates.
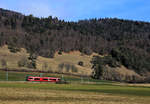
{"type": "Point", "coordinates": [125, 42]}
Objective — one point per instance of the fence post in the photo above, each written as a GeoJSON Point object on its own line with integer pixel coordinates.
{"type": "Point", "coordinates": [6, 74]}
{"type": "Point", "coordinates": [62, 77]}
{"type": "Point", "coordinates": [81, 79]}
{"type": "Point", "coordinates": [41, 74]}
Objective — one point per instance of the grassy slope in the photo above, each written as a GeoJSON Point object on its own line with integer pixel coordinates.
{"type": "Point", "coordinates": [11, 58]}
{"type": "Point", "coordinates": [36, 93]}
{"type": "Point", "coordinates": [69, 58]}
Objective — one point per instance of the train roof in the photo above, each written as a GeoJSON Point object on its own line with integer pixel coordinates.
{"type": "Point", "coordinates": [44, 77]}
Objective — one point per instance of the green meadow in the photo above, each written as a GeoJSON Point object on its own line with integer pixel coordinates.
{"type": "Point", "coordinates": [50, 93]}
{"type": "Point", "coordinates": [21, 76]}
{"type": "Point", "coordinates": [80, 90]}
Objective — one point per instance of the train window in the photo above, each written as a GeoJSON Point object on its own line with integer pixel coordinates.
{"type": "Point", "coordinates": [36, 78]}
{"type": "Point", "coordinates": [45, 79]}
{"type": "Point", "coordinates": [53, 79]}
{"type": "Point", "coordinates": [30, 78]}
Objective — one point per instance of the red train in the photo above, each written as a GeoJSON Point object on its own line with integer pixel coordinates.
{"type": "Point", "coordinates": [43, 79]}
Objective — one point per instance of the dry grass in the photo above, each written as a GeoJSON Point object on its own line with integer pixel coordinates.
{"type": "Point", "coordinates": [70, 58]}
{"type": "Point", "coordinates": [36, 96]}
{"type": "Point", "coordinates": [124, 71]}
{"type": "Point", "coordinates": [11, 58]}
{"type": "Point", "coordinates": [121, 73]}
{"type": "Point", "coordinates": [134, 85]}
{"type": "Point", "coordinates": [38, 93]}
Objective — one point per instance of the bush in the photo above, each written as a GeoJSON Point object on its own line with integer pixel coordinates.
{"type": "Point", "coordinates": [80, 63]}
{"type": "Point", "coordinates": [32, 61]}
{"type": "Point", "coordinates": [67, 67]}
{"type": "Point", "coordinates": [74, 69]}
{"type": "Point", "coordinates": [86, 51]}
{"type": "Point", "coordinates": [60, 52]}
{"type": "Point", "coordinates": [45, 66]}
{"type": "Point", "coordinates": [60, 67]}
{"type": "Point", "coordinates": [13, 49]}
{"type": "Point", "coordinates": [4, 63]}
{"type": "Point", "coordinates": [32, 64]}
{"type": "Point", "coordinates": [23, 62]}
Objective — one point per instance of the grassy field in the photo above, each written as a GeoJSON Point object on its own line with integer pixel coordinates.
{"type": "Point", "coordinates": [21, 76]}
{"type": "Point", "coordinates": [43, 93]}
{"type": "Point", "coordinates": [78, 91]}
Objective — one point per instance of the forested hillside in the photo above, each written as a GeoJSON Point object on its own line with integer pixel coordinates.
{"type": "Point", "coordinates": [124, 42]}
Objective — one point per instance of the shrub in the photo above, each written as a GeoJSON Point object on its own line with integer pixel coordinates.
{"type": "Point", "coordinates": [74, 69]}
{"type": "Point", "coordinates": [4, 63]}
{"type": "Point", "coordinates": [13, 49]}
{"type": "Point", "coordinates": [44, 66]}
{"type": "Point", "coordinates": [23, 62]}
{"type": "Point", "coordinates": [68, 67]}
{"type": "Point", "coordinates": [32, 61]}
{"type": "Point", "coordinates": [60, 52]}
{"type": "Point", "coordinates": [32, 64]}
{"type": "Point", "coordinates": [80, 63]}
{"type": "Point", "coordinates": [60, 67]}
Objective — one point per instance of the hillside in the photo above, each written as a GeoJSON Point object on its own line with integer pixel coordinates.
{"type": "Point", "coordinates": [66, 60]}
{"type": "Point", "coordinates": [125, 43]}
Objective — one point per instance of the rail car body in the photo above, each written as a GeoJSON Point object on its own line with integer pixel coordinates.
{"type": "Point", "coordinates": [43, 79]}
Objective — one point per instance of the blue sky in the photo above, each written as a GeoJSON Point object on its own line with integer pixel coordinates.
{"type": "Point", "coordinates": [74, 10]}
